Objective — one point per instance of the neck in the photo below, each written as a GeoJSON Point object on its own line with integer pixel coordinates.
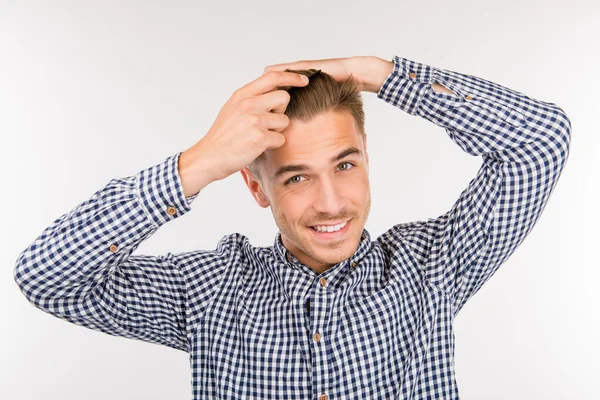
{"type": "Point", "coordinates": [318, 267]}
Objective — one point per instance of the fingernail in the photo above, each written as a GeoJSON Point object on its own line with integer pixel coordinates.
{"type": "Point", "coordinates": [305, 78]}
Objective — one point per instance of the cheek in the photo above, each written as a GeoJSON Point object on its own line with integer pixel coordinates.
{"type": "Point", "coordinates": [358, 190]}
{"type": "Point", "coordinates": [291, 206]}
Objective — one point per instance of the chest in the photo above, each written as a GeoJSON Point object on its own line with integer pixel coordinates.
{"type": "Point", "coordinates": [326, 342]}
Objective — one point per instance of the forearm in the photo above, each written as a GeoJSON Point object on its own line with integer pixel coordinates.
{"type": "Point", "coordinates": [72, 260]}
{"type": "Point", "coordinates": [482, 117]}
{"type": "Point", "coordinates": [375, 70]}
{"type": "Point", "coordinates": [193, 171]}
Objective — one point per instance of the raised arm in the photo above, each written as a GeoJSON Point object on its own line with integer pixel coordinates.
{"type": "Point", "coordinates": [524, 144]}
{"type": "Point", "coordinates": [81, 268]}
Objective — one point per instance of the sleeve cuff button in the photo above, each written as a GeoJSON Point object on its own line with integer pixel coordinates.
{"type": "Point", "coordinates": [171, 210]}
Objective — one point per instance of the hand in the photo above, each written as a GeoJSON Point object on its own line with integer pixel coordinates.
{"type": "Point", "coordinates": [250, 122]}
{"type": "Point", "coordinates": [369, 71]}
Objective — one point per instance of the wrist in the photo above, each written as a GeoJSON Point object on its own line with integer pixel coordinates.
{"type": "Point", "coordinates": [372, 72]}
{"type": "Point", "coordinates": [194, 171]}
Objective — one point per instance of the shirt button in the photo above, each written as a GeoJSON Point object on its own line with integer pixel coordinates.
{"type": "Point", "coordinates": [353, 264]}
{"type": "Point", "coordinates": [317, 337]}
{"type": "Point", "coordinates": [468, 97]}
{"type": "Point", "coordinates": [323, 397]}
{"type": "Point", "coordinates": [289, 257]}
{"type": "Point", "coordinates": [113, 247]}
{"type": "Point", "coordinates": [412, 75]}
{"type": "Point", "coordinates": [323, 281]}
{"type": "Point", "coordinates": [171, 211]}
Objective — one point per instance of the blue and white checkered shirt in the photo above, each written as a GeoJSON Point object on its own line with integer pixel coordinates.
{"type": "Point", "coordinates": [256, 322]}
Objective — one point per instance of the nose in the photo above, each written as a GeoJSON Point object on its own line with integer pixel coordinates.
{"type": "Point", "coordinates": [328, 199]}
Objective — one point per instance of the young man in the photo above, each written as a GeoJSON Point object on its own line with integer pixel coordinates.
{"type": "Point", "coordinates": [324, 313]}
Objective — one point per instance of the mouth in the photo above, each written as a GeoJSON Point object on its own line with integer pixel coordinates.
{"type": "Point", "coordinates": [330, 232]}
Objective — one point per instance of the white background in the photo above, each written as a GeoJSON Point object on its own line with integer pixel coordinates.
{"type": "Point", "coordinates": [91, 91]}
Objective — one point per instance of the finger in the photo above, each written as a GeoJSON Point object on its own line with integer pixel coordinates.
{"type": "Point", "coordinates": [291, 65]}
{"type": "Point", "coordinates": [267, 82]}
{"type": "Point", "coordinates": [275, 122]}
{"type": "Point", "coordinates": [276, 101]}
{"type": "Point", "coordinates": [274, 140]}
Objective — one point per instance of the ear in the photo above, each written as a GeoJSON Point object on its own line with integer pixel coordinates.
{"type": "Point", "coordinates": [366, 152]}
{"type": "Point", "coordinates": [255, 188]}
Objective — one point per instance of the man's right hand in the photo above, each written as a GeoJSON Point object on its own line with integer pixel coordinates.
{"type": "Point", "coordinates": [250, 122]}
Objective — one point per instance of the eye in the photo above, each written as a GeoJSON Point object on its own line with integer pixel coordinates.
{"type": "Point", "coordinates": [344, 163]}
{"type": "Point", "coordinates": [291, 180]}
{"type": "Point", "coordinates": [294, 180]}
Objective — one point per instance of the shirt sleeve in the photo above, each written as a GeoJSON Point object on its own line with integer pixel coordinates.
{"type": "Point", "coordinates": [524, 144]}
{"type": "Point", "coordinates": [80, 268]}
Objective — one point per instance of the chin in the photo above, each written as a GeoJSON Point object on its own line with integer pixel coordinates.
{"type": "Point", "coordinates": [337, 254]}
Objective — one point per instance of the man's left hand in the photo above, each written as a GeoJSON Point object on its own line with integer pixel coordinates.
{"type": "Point", "coordinates": [369, 71]}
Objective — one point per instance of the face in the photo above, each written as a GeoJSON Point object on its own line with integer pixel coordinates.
{"type": "Point", "coordinates": [319, 177]}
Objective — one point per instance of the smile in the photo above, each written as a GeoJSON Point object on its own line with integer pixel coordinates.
{"type": "Point", "coordinates": [329, 228]}
{"type": "Point", "coordinates": [327, 232]}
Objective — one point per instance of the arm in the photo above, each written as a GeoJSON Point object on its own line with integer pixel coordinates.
{"type": "Point", "coordinates": [524, 144]}
{"type": "Point", "coordinates": [80, 268]}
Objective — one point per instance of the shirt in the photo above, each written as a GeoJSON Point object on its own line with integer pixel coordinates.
{"type": "Point", "coordinates": [259, 324]}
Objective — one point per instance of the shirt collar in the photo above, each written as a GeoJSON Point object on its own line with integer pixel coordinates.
{"type": "Point", "coordinates": [286, 257]}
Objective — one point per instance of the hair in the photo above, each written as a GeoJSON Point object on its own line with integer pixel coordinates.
{"type": "Point", "coordinates": [322, 94]}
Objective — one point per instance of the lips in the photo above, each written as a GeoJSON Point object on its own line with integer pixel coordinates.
{"type": "Point", "coordinates": [331, 224]}
{"type": "Point", "coordinates": [331, 235]}
{"type": "Point", "coordinates": [329, 227]}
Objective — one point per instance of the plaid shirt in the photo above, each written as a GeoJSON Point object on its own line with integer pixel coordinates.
{"type": "Point", "coordinates": [256, 322]}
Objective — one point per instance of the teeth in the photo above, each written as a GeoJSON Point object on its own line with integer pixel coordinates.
{"type": "Point", "coordinates": [330, 228]}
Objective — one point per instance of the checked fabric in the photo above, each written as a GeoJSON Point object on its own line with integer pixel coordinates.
{"type": "Point", "coordinates": [259, 324]}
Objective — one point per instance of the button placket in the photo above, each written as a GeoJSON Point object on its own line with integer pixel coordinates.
{"type": "Point", "coordinates": [320, 324]}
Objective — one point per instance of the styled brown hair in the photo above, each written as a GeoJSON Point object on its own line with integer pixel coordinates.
{"type": "Point", "coordinates": [322, 94]}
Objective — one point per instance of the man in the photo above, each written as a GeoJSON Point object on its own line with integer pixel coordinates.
{"type": "Point", "coordinates": [324, 313]}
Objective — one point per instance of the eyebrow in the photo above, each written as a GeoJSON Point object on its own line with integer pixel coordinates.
{"type": "Point", "coordinates": [303, 167]}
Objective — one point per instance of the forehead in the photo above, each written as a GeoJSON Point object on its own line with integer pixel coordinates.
{"type": "Point", "coordinates": [314, 142]}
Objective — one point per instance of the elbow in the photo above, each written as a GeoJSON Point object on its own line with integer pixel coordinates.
{"type": "Point", "coordinates": [564, 123]}
{"type": "Point", "coordinates": [18, 273]}
{"type": "Point", "coordinates": [19, 276]}
{"type": "Point", "coordinates": [561, 127]}
{"type": "Point", "coordinates": [26, 280]}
